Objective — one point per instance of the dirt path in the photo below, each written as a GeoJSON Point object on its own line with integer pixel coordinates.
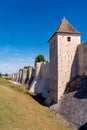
{"type": "Point", "coordinates": [15, 82]}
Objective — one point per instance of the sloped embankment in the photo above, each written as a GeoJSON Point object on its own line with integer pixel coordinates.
{"type": "Point", "coordinates": [18, 111]}
{"type": "Point", "coordinates": [73, 106]}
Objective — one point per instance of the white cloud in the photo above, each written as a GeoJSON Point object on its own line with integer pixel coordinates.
{"type": "Point", "coordinates": [5, 50]}
{"type": "Point", "coordinates": [13, 65]}
{"type": "Point", "coordinates": [12, 59]}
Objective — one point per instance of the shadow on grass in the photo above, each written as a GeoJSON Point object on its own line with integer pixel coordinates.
{"type": "Point", "coordinates": [37, 98]}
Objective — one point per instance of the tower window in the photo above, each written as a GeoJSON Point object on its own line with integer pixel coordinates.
{"type": "Point", "coordinates": [68, 39]}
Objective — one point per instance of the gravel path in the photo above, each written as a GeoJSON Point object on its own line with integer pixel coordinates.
{"type": "Point", "coordinates": [15, 82]}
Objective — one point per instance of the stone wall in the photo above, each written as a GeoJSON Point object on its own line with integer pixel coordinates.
{"type": "Point", "coordinates": [20, 76]}
{"type": "Point", "coordinates": [31, 75]}
{"type": "Point", "coordinates": [14, 76]}
{"type": "Point", "coordinates": [53, 70]}
{"type": "Point", "coordinates": [82, 59]}
{"type": "Point", "coordinates": [25, 76]}
{"type": "Point", "coordinates": [40, 84]}
{"type": "Point", "coordinates": [63, 63]}
{"type": "Point", "coordinates": [67, 60]}
{"type": "Point", "coordinates": [17, 79]}
{"type": "Point", "coordinates": [42, 70]}
{"type": "Point", "coordinates": [38, 70]}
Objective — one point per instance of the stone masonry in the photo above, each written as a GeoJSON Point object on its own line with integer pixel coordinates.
{"type": "Point", "coordinates": [63, 58]}
{"type": "Point", "coordinates": [40, 84]}
{"type": "Point", "coordinates": [82, 59]}
{"type": "Point", "coordinates": [31, 75]}
{"type": "Point", "coordinates": [20, 76]}
{"type": "Point", "coordinates": [24, 75]}
{"type": "Point", "coordinates": [14, 76]}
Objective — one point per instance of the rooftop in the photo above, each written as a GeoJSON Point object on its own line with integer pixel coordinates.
{"type": "Point", "coordinates": [65, 27]}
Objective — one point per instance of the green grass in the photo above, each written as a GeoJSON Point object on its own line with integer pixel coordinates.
{"type": "Point", "coordinates": [18, 111]}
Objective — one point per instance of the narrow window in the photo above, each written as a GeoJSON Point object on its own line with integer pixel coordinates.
{"type": "Point", "coordinates": [68, 39]}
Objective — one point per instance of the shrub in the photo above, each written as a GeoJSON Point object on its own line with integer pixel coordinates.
{"type": "Point", "coordinates": [40, 58]}
{"type": "Point", "coordinates": [26, 67]}
{"type": "Point", "coordinates": [0, 75]}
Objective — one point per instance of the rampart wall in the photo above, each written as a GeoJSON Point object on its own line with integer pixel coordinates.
{"type": "Point", "coordinates": [82, 59]}
{"type": "Point", "coordinates": [40, 84]}
{"type": "Point", "coordinates": [24, 76]}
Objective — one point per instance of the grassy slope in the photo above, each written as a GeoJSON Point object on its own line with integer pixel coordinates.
{"type": "Point", "coordinates": [18, 111]}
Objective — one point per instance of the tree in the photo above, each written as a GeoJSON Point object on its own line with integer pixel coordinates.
{"type": "Point", "coordinates": [26, 67]}
{"type": "Point", "coordinates": [40, 58]}
{"type": "Point", "coordinates": [0, 75]}
{"type": "Point", "coordinates": [20, 69]}
{"type": "Point", "coordinates": [6, 74]}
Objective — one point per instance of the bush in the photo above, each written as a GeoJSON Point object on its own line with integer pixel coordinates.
{"type": "Point", "coordinates": [40, 58]}
{"type": "Point", "coordinates": [6, 74]}
{"type": "Point", "coordinates": [20, 69]}
{"type": "Point", "coordinates": [0, 75]}
{"type": "Point", "coordinates": [7, 78]}
{"type": "Point", "coordinates": [26, 67]}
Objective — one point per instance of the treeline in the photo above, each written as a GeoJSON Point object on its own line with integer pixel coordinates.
{"type": "Point", "coordinates": [1, 75]}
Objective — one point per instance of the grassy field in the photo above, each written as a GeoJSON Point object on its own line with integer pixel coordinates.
{"type": "Point", "coordinates": [19, 111]}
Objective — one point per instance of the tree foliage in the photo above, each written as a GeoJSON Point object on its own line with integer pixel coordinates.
{"type": "Point", "coordinates": [0, 75]}
{"type": "Point", "coordinates": [20, 69]}
{"type": "Point", "coordinates": [40, 58]}
{"type": "Point", "coordinates": [6, 74]}
{"type": "Point", "coordinates": [26, 67]}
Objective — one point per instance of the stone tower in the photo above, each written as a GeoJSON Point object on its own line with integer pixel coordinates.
{"type": "Point", "coordinates": [63, 58]}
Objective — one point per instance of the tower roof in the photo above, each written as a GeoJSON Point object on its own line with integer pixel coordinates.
{"type": "Point", "coordinates": [65, 27]}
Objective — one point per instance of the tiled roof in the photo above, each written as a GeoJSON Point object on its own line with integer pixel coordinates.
{"type": "Point", "coordinates": [65, 27]}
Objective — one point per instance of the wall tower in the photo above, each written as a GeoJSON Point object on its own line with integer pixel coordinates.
{"type": "Point", "coordinates": [63, 58]}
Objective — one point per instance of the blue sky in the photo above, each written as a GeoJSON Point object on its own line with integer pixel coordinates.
{"type": "Point", "coordinates": [26, 26]}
